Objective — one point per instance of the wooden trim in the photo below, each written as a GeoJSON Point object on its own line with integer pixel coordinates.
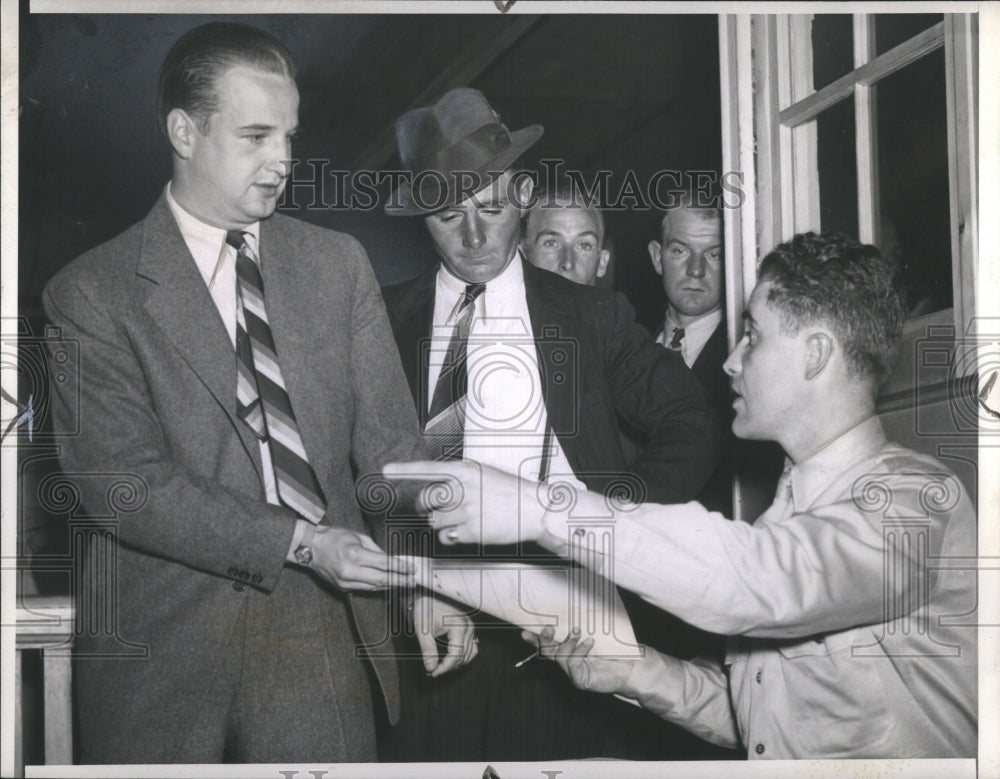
{"type": "Point", "coordinates": [805, 168]}
{"type": "Point", "coordinates": [770, 179]}
{"type": "Point", "coordinates": [737, 103]}
{"type": "Point", "coordinates": [786, 150]}
{"type": "Point", "coordinates": [884, 65]}
{"type": "Point", "coordinates": [961, 84]}
{"type": "Point", "coordinates": [866, 133]}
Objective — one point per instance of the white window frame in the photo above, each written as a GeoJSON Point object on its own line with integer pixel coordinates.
{"type": "Point", "coordinates": [769, 136]}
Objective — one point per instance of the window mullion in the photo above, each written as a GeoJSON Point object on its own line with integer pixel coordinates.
{"type": "Point", "coordinates": [866, 133]}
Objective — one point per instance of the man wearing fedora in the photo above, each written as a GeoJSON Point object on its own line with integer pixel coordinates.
{"type": "Point", "coordinates": [519, 368]}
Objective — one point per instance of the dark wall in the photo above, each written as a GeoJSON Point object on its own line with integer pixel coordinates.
{"type": "Point", "coordinates": [622, 93]}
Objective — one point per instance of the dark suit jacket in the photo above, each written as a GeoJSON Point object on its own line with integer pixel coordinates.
{"type": "Point", "coordinates": [596, 364]}
{"type": "Point", "coordinates": [157, 404]}
{"type": "Point", "coordinates": [708, 367]}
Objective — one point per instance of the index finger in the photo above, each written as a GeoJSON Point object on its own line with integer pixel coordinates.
{"type": "Point", "coordinates": [419, 470]}
{"type": "Point", "coordinates": [380, 561]}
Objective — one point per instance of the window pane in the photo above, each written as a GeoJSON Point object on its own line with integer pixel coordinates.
{"type": "Point", "coordinates": [838, 174]}
{"type": "Point", "coordinates": [913, 180]}
{"type": "Point", "coordinates": [833, 48]}
{"type": "Point", "coordinates": [892, 29]}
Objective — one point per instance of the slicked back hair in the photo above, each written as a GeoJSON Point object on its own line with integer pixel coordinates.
{"type": "Point", "coordinates": [850, 287]}
{"type": "Point", "coordinates": [193, 66]}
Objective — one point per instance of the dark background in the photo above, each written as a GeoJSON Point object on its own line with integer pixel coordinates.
{"type": "Point", "coordinates": [621, 93]}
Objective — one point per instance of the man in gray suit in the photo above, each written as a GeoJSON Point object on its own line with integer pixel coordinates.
{"type": "Point", "coordinates": [239, 368]}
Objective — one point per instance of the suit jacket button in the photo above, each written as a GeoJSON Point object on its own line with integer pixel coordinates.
{"type": "Point", "coordinates": [239, 586]}
{"type": "Point", "coordinates": [256, 579]}
{"type": "Point", "coordinates": [233, 572]}
{"type": "Point", "coordinates": [244, 575]}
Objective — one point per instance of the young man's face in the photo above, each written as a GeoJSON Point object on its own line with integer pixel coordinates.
{"type": "Point", "coordinates": [690, 262]}
{"type": "Point", "coordinates": [566, 240]}
{"type": "Point", "coordinates": [237, 169]}
{"type": "Point", "coordinates": [478, 238]}
{"type": "Point", "coordinates": [766, 373]}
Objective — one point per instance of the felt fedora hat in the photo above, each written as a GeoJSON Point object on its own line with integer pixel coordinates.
{"type": "Point", "coordinates": [452, 149]}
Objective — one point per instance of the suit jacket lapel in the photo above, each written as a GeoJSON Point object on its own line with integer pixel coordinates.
{"type": "Point", "coordinates": [554, 324]}
{"type": "Point", "coordinates": [181, 304]}
{"type": "Point", "coordinates": [414, 315]}
{"type": "Point", "coordinates": [288, 288]}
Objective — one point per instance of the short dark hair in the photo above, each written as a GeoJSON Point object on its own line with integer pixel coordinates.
{"type": "Point", "coordinates": [848, 286]}
{"type": "Point", "coordinates": [194, 64]}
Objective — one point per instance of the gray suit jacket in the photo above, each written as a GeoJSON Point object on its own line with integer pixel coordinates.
{"type": "Point", "coordinates": [157, 402]}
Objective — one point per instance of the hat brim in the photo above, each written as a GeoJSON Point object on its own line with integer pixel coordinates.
{"type": "Point", "coordinates": [403, 203]}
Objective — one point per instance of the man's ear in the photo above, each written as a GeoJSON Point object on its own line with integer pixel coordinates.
{"type": "Point", "coordinates": [819, 349]}
{"type": "Point", "coordinates": [524, 189]}
{"type": "Point", "coordinates": [654, 255]}
{"type": "Point", "coordinates": [182, 132]}
{"type": "Point", "coordinates": [602, 263]}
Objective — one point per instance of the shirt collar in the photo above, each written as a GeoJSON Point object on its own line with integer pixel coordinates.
{"type": "Point", "coordinates": [813, 475]}
{"type": "Point", "coordinates": [206, 242]}
{"type": "Point", "coordinates": [510, 280]}
{"type": "Point", "coordinates": [703, 325]}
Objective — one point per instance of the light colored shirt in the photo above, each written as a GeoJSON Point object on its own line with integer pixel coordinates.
{"type": "Point", "coordinates": [505, 416]}
{"type": "Point", "coordinates": [696, 334]}
{"type": "Point", "coordinates": [216, 261]}
{"type": "Point", "coordinates": [851, 603]}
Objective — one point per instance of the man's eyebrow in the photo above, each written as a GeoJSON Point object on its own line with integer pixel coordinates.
{"type": "Point", "coordinates": [257, 127]}
{"type": "Point", "coordinates": [748, 317]}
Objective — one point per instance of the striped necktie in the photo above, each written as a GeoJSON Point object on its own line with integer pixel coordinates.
{"type": "Point", "coordinates": [677, 340]}
{"type": "Point", "coordinates": [261, 398]}
{"type": "Point", "coordinates": [445, 429]}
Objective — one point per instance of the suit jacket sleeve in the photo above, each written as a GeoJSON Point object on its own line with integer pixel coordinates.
{"type": "Point", "coordinates": [385, 423]}
{"type": "Point", "coordinates": [656, 393]}
{"type": "Point", "coordinates": [112, 433]}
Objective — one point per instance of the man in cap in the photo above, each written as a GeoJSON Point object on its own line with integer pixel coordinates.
{"type": "Point", "coordinates": [235, 366]}
{"type": "Point", "coordinates": [521, 369]}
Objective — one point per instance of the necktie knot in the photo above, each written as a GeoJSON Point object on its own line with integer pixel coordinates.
{"type": "Point", "coordinates": [236, 239]}
{"type": "Point", "coordinates": [678, 336]}
{"type": "Point", "coordinates": [472, 291]}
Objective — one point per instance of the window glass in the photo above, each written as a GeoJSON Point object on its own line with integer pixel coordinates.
{"type": "Point", "coordinates": [838, 174]}
{"type": "Point", "coordinates": [892, 29]}
{"type": "Point", "coordinates": [913, 180]}
{"type": "Point", "coordinates": [833, 48]}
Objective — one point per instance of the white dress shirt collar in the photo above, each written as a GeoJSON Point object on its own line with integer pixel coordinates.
{"type": "Point", "coordinates": [206, 242]}
{"type": "Point", "coordinates": [510, 281]}
{"type": "Point", "coordinates": [696, 334]}
{"type": "Point", "coordinates": [814, 474]}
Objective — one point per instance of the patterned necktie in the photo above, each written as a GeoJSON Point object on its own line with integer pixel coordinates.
{"type": "Point", "coordinates": [445, 428]}
{"type": "Point", "coordinates": [261, 398]}
{"type": "Point", "coordinates": [675, 341]}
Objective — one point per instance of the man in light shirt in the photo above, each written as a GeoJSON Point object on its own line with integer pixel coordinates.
{"type": "Point", "coordinates": [235, 366]}
{"type": "Point", "coordinates": [851, 633]}
{"type": "Point", "coordinates": [536, 371]}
